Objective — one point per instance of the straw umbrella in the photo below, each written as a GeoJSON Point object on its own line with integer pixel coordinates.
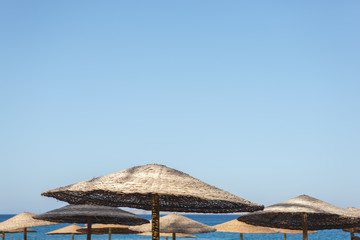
{"type": "Point", "coordinates": [23, 221]}
{"type": "Point", "coordinates": [15, 231]}
{"type": "Point", "coordinates": [167, 235]}
{"type": "Point", "coordinates": [175, 223]}
{"type": "Point", "coordinates": [91, 214]}
{"type": "Point", "coordinates": [71, 229]}
{"type": "Point", "coordinates": [109, 229]}
{"type": "Point", "coordinates": [289, 231]}
{"type": "Point", "coordinates": [302, 213]}
{"type": "Point", "coordinates": [236, 226]}
{"type": "Point", "coordinates": [354, 229]}
{"type": "Point", "coordinates": [153, 187]}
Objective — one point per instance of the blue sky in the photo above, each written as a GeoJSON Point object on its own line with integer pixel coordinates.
{"type": "Point", "coordinates": [259, 98]}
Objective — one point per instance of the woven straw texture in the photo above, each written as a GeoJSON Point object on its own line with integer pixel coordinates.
{"type": "Point", "coordinates": [169, 235]}
{"type": "Point", "coordinates": [175, 223]}
{"type": "Point", "coordinates": [98, 214]}
{"type": "Point", "coordinates": [23, 220]}
{"type": "Point", "coordinates": [236, 226]}
{"type": "Point", "coordinates": [19, 230]}
{"type": "Point", "coordinates": [356, 211]}
{"type": "Point", "coordinates": [289, 215]}
{"type": "Point", "coordinates": [289, 231]}
{"type": "Point", "coordinates": [133, 188]}
{"type": "Point", "coordinates": [104, 229]}
{"type": "Point", "coordinates": [66, 230]}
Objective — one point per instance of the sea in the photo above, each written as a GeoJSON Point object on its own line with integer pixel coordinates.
{"type": "Point", "coordinates": [208, 219]}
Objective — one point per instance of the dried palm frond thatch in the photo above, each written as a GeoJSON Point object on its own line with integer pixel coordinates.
{"type": "Point", "coordinates": [135, 186]}
{"type": "Point", "coordinates": [97, 214]}
{"type": "Point", "coordinates": [71, 229]}
{"type": "Point", "coordinates": [236, 226]}
{"type": "Point", "coordinates": [290, 215]}
{"type": "Point", "coordinates": [109, 228]}
{"type": "Point", "coordinates": [23, 220]}
{"type": "Point", "coordinates": [175, 223]}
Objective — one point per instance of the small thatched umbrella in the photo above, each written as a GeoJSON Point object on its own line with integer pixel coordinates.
{"type": "Point", "coordinates": [167, 235]}
{"type": "Point", "coordinates": [289, 231]}
{"type": "Point", "coordinates": [109, 229]}
{"type": "Point", "coordinates": [153, 187]}
{"type": "Point", "coordinates": [354, 229]}
{"type": "Point", "coordinates": [71, 229]}
{"type": "Point", "coordinates": [236, 226]}
{"type": "Point", "coordinates": [91, 214]}
{"type": "Point", "coordinates": [303, 213]}
{"type": "Point", "coordinates": [15, 231]}
{"type": "Point", "coordinates": [23, 220]}
{"type": "Point", "coordinates": [175, 223]}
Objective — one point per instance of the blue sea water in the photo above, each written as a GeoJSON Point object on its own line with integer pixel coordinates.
{"type": "Point", "coordinates": [207, 219]}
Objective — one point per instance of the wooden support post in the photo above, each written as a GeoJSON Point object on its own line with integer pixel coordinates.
{"type": "Point", "coordinates": [72, 236]}
{"type": "Point", "coordinates": [109, 233]}
{"type": "Point", "coordinates": [284, 236]}
{"type": "Point", "coordinates": [3, 236]}
{"type": "Point", "coordinates": [174, 236]}
{"type": "Point", "coordinates": [305, 227]}
{"type": "Point", "coordinates": [352, 230]}
{"type": "Point", "coordinates": [88, 237]}
{"type": "Point", "coordinates": [25, 233]}
{"type": "Point", "coordinates": [155, 217]}
{"type": "Point", "coordinates": [241, 236]}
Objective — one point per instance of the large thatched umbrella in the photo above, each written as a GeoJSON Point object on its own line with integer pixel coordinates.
{"type": "Point", "coordinates": [23, 221]}
{"type": "Point", "coordinates": [91, 214]}
{"type": "Point", "coordinates": [71, 229]}
{"type": "Point", "coordinates": [153, 187]}
{"type": "Point", "coordinates": [236, 226]}
{"type": "Point", "coordinates": [302, 213]}
{"type": "Point", "coordinates": [354, 229]}
{"type": "Point", "coordinates": [175, 223]}
{"type": "Point", "coordinates": [15, 231]}
{"type": "Point", "coordinates": [109, 229]}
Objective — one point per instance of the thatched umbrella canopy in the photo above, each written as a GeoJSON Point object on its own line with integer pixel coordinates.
{"type": "Point", "coordinates": [289, 231]}
{"type": "Point", "coordinates": [91, 214]}
{"type": "Point", "coordinates": [153, 187]}
{"type": "Point", "coordinates": [19, 230]}
{"type": "Point", "coordinates": [236, 226]}
{"type": "Point", "coordinates": [167, 235]}
{"type": "Point", "coordinates": [109, 229]}
{"type": "Point", "coordinates": [354, 229]}
{"type": "Point", "coordinates": [71, 229]}
{"type": "Point", "coordinates": [15, 231]}
{"type": "Point", "coordinates": [302, 213]}
{"type": "Point", "coordinates": [23, 221]}
{"type": "Point", "coordinates": [175, 223]}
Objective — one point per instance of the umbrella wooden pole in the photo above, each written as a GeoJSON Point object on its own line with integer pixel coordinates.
{"type": "Point", "coordinates": [25, 233]}
{"type": "Point", "coordinates": [73, 236]}
{"type": "Point", "coordinates": [155, 217]}
{"type": "Point", "coordinates": [352, 230]}
{"type": "Point", "coordinates": [305, 227]}
{"type": "Point", "coordinates": [88, 237]}
{"type": "Point", "coordinates": [3, 236]}
{"type": "Point", "coordinates": [284, 236]}
{"type": "Point", "coordinates": [174, 236]}
{"type": "Point", "coordinates": [241, 236]}
{"type": "Point", "coordinates": [109, 233]}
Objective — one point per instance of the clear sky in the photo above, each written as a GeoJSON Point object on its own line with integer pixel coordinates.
{"type": "Point", "coordinates": [259, 98]}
